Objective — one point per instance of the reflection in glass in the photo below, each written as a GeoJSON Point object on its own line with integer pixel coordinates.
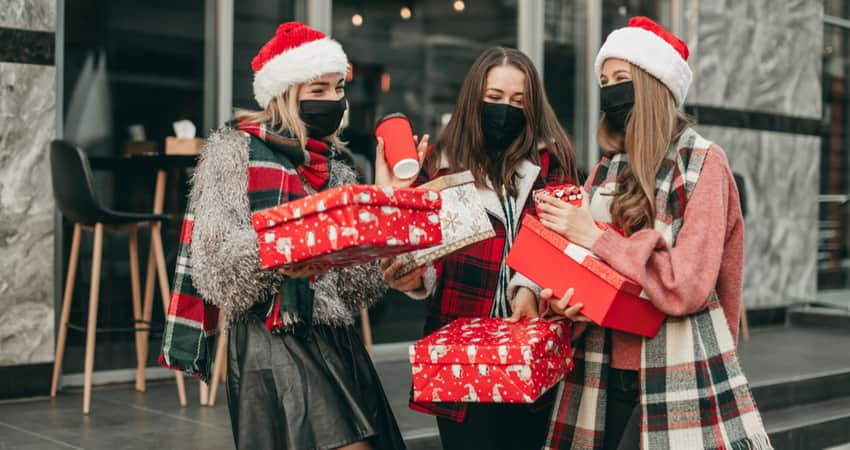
{"type": "Point", "coordinates": [834, 233]}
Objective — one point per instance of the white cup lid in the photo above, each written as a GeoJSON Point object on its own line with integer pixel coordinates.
{"type": "Point", "coordinates": [406, 168]}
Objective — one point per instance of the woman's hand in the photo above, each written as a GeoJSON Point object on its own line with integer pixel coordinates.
{"type": "Point", "coordinates": [409, 282]}
{"type": "Point", "coordinates": [307, 271]}
{"type": "Point", "coordinates": [524, 304]}
{"type": "Point", "coordinates": [383, 172]}
{"type": "Point", "coordinates": [575, 224]}
{"type": "Point", "coordinates": [561, 305]}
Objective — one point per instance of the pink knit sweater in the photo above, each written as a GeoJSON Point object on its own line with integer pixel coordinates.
{"type": "Point", "coordinates": [709, 254]}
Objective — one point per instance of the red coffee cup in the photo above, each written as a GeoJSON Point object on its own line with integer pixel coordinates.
{"type": "Point", "coordinates": [399, 147]}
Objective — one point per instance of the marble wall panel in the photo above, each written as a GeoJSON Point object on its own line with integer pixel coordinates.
{"type": "Point", "coordinates": [762, 55]}
{"type": "Point", "coordinates": [28, 14]}
{"type": "Point", "coordinates": [27, 115]}
{"type": "Point", "coordinates": [781, 173]}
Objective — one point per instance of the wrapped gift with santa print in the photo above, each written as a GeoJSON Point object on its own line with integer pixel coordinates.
{"type": "Point", "coordinates": [491, 360]}
{"type": "Point", "coordinates": [348, 225]}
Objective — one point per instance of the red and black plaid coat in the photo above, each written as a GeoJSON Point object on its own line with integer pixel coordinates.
{"type": "Point", "coordinates": [467, 281]}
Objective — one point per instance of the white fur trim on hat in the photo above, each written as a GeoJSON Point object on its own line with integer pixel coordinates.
{"type": "Point", "coordinates": [651, 53]}
{"type": "Point", "coordinates": [298, 65]}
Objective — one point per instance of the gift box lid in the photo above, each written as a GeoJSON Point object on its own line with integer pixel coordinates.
{"type": "Point", "coordinates": [347, 195]}
{"type": "Point", "coordinates": [493, 341]}
{"type": "Point", "coordinates": [584, 257]}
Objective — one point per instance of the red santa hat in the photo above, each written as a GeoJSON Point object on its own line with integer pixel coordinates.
{"type": "Point", "coordinates": [649, 46]}
{"type": "Point", "coordinates": [296, 54]}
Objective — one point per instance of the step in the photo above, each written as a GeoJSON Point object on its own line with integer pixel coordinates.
{"type": "Point", "coordinates": [820, 316]}
{"type": "Point", "coordinates": [810, 388]}
{"type": "Point", "coordinates": [810, 426]}
{"type": "Point", "coordinates": [840, 447]}
{"type": "Point", "coordinates": [424, 443]}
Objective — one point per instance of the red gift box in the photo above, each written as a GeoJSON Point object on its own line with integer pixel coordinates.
{"type": "Point", "coordinates": [610, 299]}
{"type": "Point", "coordinates": [490, 360]}
{"type": "Point", "coordinates": [348, 225]}
{"type": "Point", "coordinates": [569, 193]}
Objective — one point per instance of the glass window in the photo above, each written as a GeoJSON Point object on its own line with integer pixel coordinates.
{"type": "Point", "coordinates": [411, 57]}
{"type": "Point", "coordinates": [564, 71]}
{"type": "Point", "coordinates": [254, 23]}
{"type": "Point", "coordinates": [616, 13]}
{"type": "Point", "coordinates": [127, 62]}
{"type": "Point", "coordinates": [834, 235]}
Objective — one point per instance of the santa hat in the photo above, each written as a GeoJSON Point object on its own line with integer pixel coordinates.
{"type": "Point", "coordinates": [649, 46]}
{"type": "Point", "coordinates": [296, 54]}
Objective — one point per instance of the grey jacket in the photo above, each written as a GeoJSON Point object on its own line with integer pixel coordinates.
{"type": "Point", "coordinates": [225, 263]}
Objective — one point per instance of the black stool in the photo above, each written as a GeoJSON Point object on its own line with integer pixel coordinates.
{"type": "Point", "coordinates": [75, 198]}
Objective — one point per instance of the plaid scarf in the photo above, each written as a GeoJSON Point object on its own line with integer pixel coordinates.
{"type": "Point", "coordinates": [470, 280]}
{"type": "Point", "coordinates": [693, 393]}
{"type": "Point", "coordinates": [279, 170]}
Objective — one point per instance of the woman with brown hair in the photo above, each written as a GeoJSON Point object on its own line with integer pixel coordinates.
{"type": "Point", "coordinates": [673, 195]}
{"type": "Point", "coordinates": [504, 131]}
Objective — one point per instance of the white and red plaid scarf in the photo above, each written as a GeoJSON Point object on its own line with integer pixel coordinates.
{"type": "Point", "coordinates": [693, 393]}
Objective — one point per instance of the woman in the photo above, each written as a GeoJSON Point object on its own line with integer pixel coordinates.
{"type": "Point", "coordinates": [673, 195]}
{"type": "Point", "coordinates": [298, 376]}
{"type": "Point", "coordinates": [504, 131]}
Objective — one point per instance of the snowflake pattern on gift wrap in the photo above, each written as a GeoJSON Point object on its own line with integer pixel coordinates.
{"type": "Point", "coordinates": [451, 222]}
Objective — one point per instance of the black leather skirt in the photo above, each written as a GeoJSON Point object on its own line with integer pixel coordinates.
{"type": "Point", "coordinates": [314, 389]}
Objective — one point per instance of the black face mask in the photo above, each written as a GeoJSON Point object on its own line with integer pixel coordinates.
{"type": "Point", "coordinates": [322, 117]}
{"type": "Point", "coordinates": [501, 124]}
{"type": "Point", "coordinates": [616, 101]}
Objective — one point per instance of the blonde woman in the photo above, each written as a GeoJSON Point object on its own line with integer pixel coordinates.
{"type": "Point", "coordinates": [298, 376]}
{"type": "Point", "coordinates": [671, 191]}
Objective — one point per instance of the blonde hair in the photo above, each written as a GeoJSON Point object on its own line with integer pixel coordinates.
{"type": "Point", "coordinates": [282, 114]}
{"type": "Point", "coordinates": [652, 125]}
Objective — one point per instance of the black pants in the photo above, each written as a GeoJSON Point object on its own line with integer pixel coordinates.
{"type": "Point", "coordinates": [496, 427]}
{"type": "Point", "coordinates": [622, 413]}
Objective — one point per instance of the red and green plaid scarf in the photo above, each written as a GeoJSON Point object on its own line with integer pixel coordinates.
{"type": "Point", "coordinates": [693, 393]}
{"type": "Point", "coordinates": [279, 170]}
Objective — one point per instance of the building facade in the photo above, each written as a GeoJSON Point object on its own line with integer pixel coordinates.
{"type": "Point", "coordinates": [770, 87]}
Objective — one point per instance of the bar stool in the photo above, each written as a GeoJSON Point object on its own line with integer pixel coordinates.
{"type": "Point", "coordinates": [75, 198]}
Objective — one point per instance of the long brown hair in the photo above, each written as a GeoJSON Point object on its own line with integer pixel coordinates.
{"type": "Point", "coordinates": [462, 141]}
{"type": "Point", "coordinates": [652, 125]}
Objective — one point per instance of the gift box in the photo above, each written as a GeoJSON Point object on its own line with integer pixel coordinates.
{"type": "Point", "coordinates": [490, 360]}
{"type": "Point", "coordinates": [610, 299]}
{"type": "Point", "coordinates": [569, 193]}
{"type": "Point", "coordinates": [348, 225]}
{"type": "Point", "coordinates": [463, 220]}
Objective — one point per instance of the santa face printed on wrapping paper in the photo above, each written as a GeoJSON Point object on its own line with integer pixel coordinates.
{"type": "Point", "coordinates": [483, 370]}
{"type": "Point", "coordinates": [437, 352]}
{"type": "Point", "coordinates": [284, 247]}
{"type": "Point", "coordinates": [471, 394]}
{"type": "Point", "coordinates": [457, 371]}
{"type": "Point", "coordinates": [332, 236]}
{"type": "Point", "coordinates": [497, 396]}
